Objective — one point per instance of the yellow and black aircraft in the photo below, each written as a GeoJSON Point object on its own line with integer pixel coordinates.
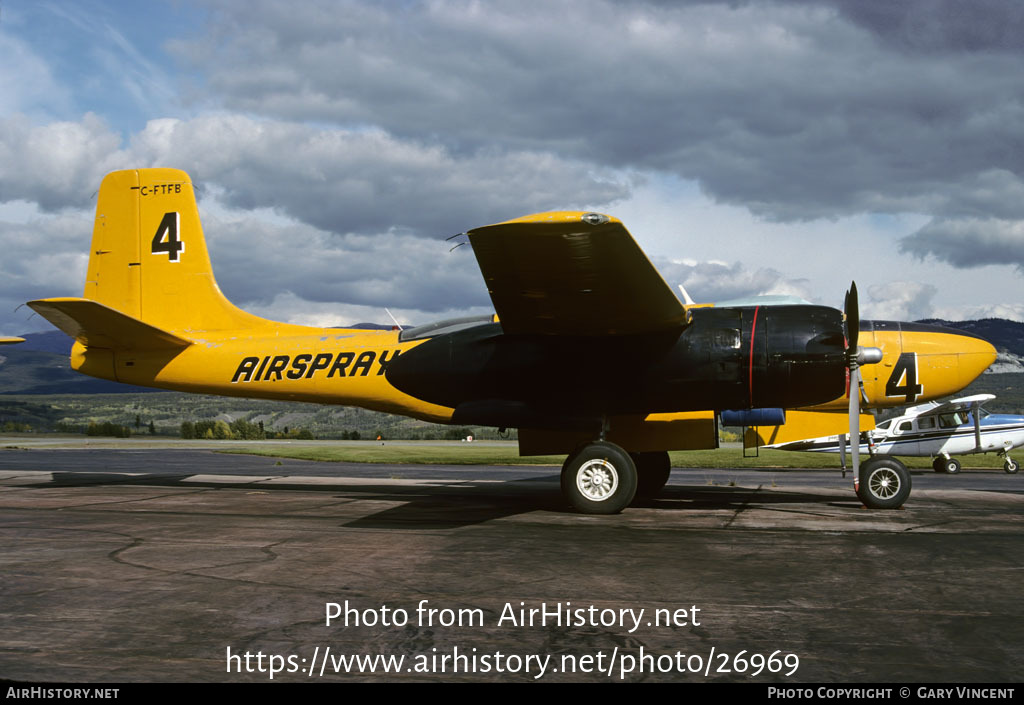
{"type": "Point", "coordinates": [590, 354]}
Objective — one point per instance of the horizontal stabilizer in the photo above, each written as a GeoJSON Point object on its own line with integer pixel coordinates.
{"type": "Point", "coordinates": [97, 326]}
{"type": "Point", "coordinates": [10, 340]}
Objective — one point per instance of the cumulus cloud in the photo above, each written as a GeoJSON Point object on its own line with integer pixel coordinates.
{"type": "Point", "coordinates": [42, 256]}
{"type": "Point", "coordinates": [899, 301]}
{"type": "Point", "coordinates": [57, 165]}
{"type": "Point", "coordinates": [358, 180]}
{"type": "Point", "coordinates": [795, 110]}
{"type": "Point", "coordinates": [336, 144]}
{"type": "Point", "coordinates": [289, 307]}
{"type": "Point", "coordinates": [340, 180]}
{"type": "Point", "coordinates": [386, 269]}
{"type": "Point", "coordinates": [969, 242]}
{"type": "Point", "coordinates": [709, 282]}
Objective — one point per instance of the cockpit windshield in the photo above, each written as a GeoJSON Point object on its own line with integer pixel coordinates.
{"type": "Point", "coordinates": [451, 325]}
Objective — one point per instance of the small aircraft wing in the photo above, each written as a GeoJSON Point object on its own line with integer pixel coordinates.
{"type": "Point", "coordinates": [573, 273]}
{"type": "Point", "coordinates": [961, 404]}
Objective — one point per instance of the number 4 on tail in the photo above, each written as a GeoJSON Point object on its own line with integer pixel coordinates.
{"type": "Point", "coordinates": [166, 239]}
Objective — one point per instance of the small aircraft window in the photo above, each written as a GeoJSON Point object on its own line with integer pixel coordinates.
{"type": "Point", "coordinates": [906, 426]}
{"type": "Point", "coordinates": [885, 425]}
{"type": "Point", "coordinates": [926, 422]}
{"type": "Point", "coordinates": [949, 420]}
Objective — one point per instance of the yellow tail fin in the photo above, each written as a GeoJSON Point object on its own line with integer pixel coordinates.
{"type": "Point", "coordinates": [149, 258]}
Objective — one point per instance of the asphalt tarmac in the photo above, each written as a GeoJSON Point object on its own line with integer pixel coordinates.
{"type": "Point", "coordinates": [174, 565]}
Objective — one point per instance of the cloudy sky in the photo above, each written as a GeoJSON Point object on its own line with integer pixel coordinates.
{"type": "Point", "coordinates": [750, 147]}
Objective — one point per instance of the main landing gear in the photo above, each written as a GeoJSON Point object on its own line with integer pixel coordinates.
{"type": "Point", "coordinates": [950, 466]}
{"type": "Point", "coordinates": [599, 478]}
{"type": "Point", "coordinates": [602, 478]}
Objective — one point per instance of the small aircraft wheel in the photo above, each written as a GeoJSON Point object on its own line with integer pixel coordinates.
{"type": "Point", "coordinates": [599, 479]}
{"type": "Point", "coordinates": [652, 472]}
{"type": "Point", "coordinates": [1011, 466]}
{"type": "Point", "coordinates": [951, 466]}
{"type": "Point", "coordinates": [884, 483]}
{"type": "Point", "coordinates": [939, 464]}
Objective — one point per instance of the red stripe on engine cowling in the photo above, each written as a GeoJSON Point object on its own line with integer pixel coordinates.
{"type": "Point", "coordinates": [750, 383]}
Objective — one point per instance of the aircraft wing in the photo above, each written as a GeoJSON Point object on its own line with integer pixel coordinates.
{"type": "Point", "coordinates": [963, 403]}
{"type": "Point", "coordinates": [573, 273]}
{"type": "Point", "coordinates": [10, 340]}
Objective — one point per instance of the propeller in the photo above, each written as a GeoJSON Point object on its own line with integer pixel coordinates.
{"type": "Point", "coordinates": [855, 357]}
{"type": "Point", "coordinates": [852, 309]}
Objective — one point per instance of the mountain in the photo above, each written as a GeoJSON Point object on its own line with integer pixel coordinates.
{"type": "Point", "coordinates": [40, 366]}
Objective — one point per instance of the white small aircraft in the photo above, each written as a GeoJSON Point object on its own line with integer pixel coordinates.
{"type": "Point", "coordinates": [938, 430]}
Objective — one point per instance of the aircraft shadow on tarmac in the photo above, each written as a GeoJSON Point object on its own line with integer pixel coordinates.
{"type": "Point", "coordinates": [454, 503]}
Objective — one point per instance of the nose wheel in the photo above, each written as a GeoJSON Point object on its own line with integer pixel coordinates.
{"type": "Point", "coordinates": [883, 483]}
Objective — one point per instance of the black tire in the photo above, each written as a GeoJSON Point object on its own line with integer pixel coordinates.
{"type": "Point", "coordinates": [938, 464]}
{"type": "Point", "coordinates": [1011, 466]}
{"type": "Point", "coordinates": [951, 466]}
{"type": "Point", "coordinates": [884, 483]}
{"type": "Point", "coordinates": [599, 479]}
{"type": "Point", "coordinates": [652, 472]}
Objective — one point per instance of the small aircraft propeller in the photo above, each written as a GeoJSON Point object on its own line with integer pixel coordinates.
{"type": "Point", "coordinates": [855, 357]}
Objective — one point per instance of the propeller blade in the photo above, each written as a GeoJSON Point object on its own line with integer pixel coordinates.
{"type": "Point", "coordinates": [855, 421]}
{"type": "Point", "coordinates": [852, 309]}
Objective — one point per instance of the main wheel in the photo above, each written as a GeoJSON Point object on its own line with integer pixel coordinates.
{"type": "Point", "coordinates": [938, 464]}
{"type": "Point", "coordinates": [1011, 466]}
{"type": "Point", "coordinates": [951, 466]}
{"type": "Point", "coordinates": [600, 478]}
{"type": "Point", "coordinates": [652, 471]}
{"type": "Point", "coordinates": [884, 483]}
